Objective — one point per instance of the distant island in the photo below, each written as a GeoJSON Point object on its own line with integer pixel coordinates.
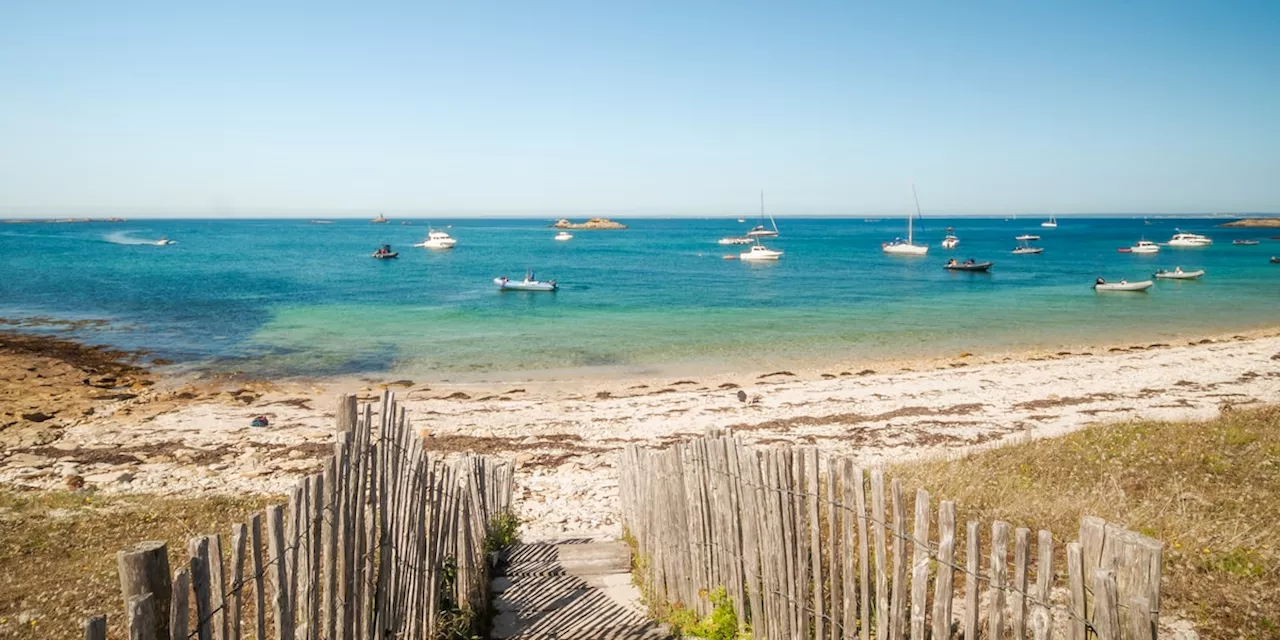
{"type": "Point", "coordinates": [1265, 223]}
{"type": "Point", "coordinates": [594, 223]}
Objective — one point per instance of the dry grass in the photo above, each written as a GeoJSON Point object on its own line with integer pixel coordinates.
{"type": "Point", "coordinates": [57, 552]}
{"type": "Point", "coordinates": [1210, 491]}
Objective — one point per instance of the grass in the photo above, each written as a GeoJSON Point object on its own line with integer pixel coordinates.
{"type": "Point", "coordinates": [504, 531]}
{"type": "Point", "coordinates": [57, 552]}
{"type": "Point", "coordinates": [1210, 491]}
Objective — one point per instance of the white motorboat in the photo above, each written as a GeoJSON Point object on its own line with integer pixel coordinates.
{"type": "Point", "coordinates": [742, 219]}
{"type": "Point", "coordinates": [1182, 239]}
{"type": "Point", "coordinates": [1025, 249]}
{"type": "Point", "coordinates": [760, 231]}
{"type": "Point", "coordinates": [951, 241]}
{"type": "Point", "coordinates": [380, 219]}
{"type": "Point", "coordinates": [437, 240]}
{"type": "Point", "coordinates": [734, 240]}
{"type": "Point", "coordinates": [907, 247]}
{"type": "Point", "coordinates": [1123, 285]}
{"type": "Point", "coordinates": [1179, 274]}
{"type": "Point", "coordinates": [759, 253]}
{"type": "Point", "coordinates": [1143, 246]}
{"type": "Point", "coordinates": [1027, 237]}
{"type": "Point", "coordinates": [1051, 223]}
{"type": "Point", "coordinates": [164, 242]}
{"type": "Point", "coordinates": [564, 235]}
{"type": "Point", "coordinates": [528, 284]}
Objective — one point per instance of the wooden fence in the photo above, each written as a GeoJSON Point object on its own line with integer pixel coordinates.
{"type": "Point", "coordinates": [788, 534]}
{"type": "Point", "coordinates": [387, 541]}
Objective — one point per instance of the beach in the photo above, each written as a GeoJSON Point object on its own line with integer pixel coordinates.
{"type": "Point", "coordinates": [180, 435]}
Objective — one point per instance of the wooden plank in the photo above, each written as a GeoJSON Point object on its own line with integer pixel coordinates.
{"type": "Point", "coordinates": [95, 628]}
{"type": "Point", "coordinates": [179, 607]}
{"type": "Point", "coordinates": [833, 549]}
{"type": "Point", "coordinates": [1041, 613]}
{"type": "Point", "coordinates": [864, 560]}
{"type": "Point", "coordinates": [259, 576]}
{"type": "Point", "coordinates": [920, 561]}
{"type": "Point", "coordinates": [277, 573]}
{"type": "Point", "coordinates": [316, 547]}
{"type": "Point", "coordinates": [1139, 626]}
{"type": "Point", "coordinates": [881, 612]}
{"type": "Point", "coordinates": [1075, 582]}
{"type": "Point", "coordinates": [971, 561]}
{"type": "Point", "coordinates": [238, 534]}
{"type": "Point", "coordinates": [142, 617]}
{"type": "Point", "coordinates": [898, 607]}
{"type": "Point", "coordinates": [1018, 603]}
{"type": "Point", "coordinates": [144, 568]}
{"type": "Point", "coordinates": [799, 541]}
{"type": "Point", "coordinates": [815, 543]}
{"type": "Point", "coordinates": [944, 585]}
{"type": "Point", "coordinates": [998, 577]}
{"type": "Point", "coordinates": [217, 589]}
{"type": "Point", "coordinates": [849, 516]}
{"type": "Point", "coordinates": [198, 549]}
{"type": "Point", "coordinates": [1106, 614]}
{"type": "Point", "coordinates": [330, 543]}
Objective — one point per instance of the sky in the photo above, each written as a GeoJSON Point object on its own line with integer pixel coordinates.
{"type": "Point", "coordinates": [285, 108]}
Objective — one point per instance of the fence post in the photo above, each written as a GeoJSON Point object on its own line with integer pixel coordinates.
{"type": "Point", "coordinates": [1106, 615]}
{"type": "Point", "coordinates": [1021, 560]}
{"type": "Point", "coordinates": [198, 549]}
{"type": "Point", "coordinates": [144, 568]}
{"type": "Point", "coordinates": [142, 617]}
{"type": "Point", "coordinates": [1075, 583]}
{"type": "Point", "coordinates": [944, 584]}
{"type": "Point", "coordinates": [179, 609]}
{"type": "Point", "coordinates": [999, 571]}
{"type": "Point", "coordinates": [971, 566]}
{"type": "Point", "coordinates": [95, 628]}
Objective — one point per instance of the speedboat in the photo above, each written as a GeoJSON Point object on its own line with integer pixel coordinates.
{"type": "Point", "coordinates": [1181, 239]}
{"type": "Point", "coordinates": [385, 253]}
{"type": "Point", "coordinates": [1123, 285]}
{"type": "Point", "coordinates": [528, 284]}
{"type": "Point", "coordinates": [1024, 250]}
{"type": "Point", "coordinates": [1051, 223]}
{"type": "Point", "coordinates": [1027, 237]}
{"type": "Point", "coordinates": [967, 265]}
{"type": "Point", "coordinates": [734, 240]}
{"type": "Point", "coordinates": [381, 219]}
{"type": "Point", "coordinates": [564, 235]}
{"type": "Point", "coordinates": [951, 240]}
{"type": "Point", "coordinates": [1179, 274]}
{"type": "Point", "coordinates": [1143, 246]}
{"type": "Point", "coordinates": [437, 240]}
{"type": "Point", "coordinates": [742, 219]}
{"type": "Point", "coordinates": [1245, 243]}
{"type": "Point", "coordinates": [759, 253]}
{"type": "Point", "coordinates": [163, 242]}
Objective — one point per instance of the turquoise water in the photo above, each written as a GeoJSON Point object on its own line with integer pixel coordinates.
{"type": "Point", "coordinates": [284, 297]}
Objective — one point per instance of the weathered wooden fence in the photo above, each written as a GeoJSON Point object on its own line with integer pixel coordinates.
{"type": "Point", "coordinates": [387, 541]}
{"type": "Point", "coordinates": [788, 534]}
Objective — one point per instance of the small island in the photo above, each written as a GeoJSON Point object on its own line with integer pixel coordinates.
{"type": "Point", "coordinates": [1254, 223]}
{"type": "Point", "coordinates": [594, 223]}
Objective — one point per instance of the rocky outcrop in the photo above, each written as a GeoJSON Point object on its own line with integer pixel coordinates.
{"type": "Point", "coordinates": [1264, 223]}
{"type": "Point", "coordinates": [594, 223]}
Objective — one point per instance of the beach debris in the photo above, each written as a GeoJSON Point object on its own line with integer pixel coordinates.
{"type": "Point", "coordinates": [775, 373]}
{"type": "Point", "coordinates": [260, 421]}
{"type": "Point", "coordinates": [457, 395]}
{"type": "Point", "coordinates": [742, 395]}
{"type": "Point", "coordinates": [73, 482]}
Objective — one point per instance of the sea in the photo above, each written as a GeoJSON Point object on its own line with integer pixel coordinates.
{"type": "Point", "coordinates": [286, 298]}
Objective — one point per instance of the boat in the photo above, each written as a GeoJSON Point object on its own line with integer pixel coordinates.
{"type": "Point", "coordinates": [1025, 249]}
{"type": "Point", "coordinates": [907, 247]}
{"type": "Point", "coordinates": [1051, 223]}
{"type": "Point", "coordinates": [1026, 237]}
{"type": "Point", "coordinates": [385, 253]}
{"type": "Point", "coordinates": [1179, 274]}
{"type": "Point", "coordinates": [380, 219]}
{"type": "Point", "coordinates": [321, 222]}
{"type": "Point", "coordinates": [528, 284]}
{"type": "Point", "coordinates": [759, 231]}
{"type": "Point", "coordinates": [734, 240]}
{"type": "Point", "coordinates": [1244, 243]}
{"type": "Point", "coordinates": [951, 240]}
{"type": "Point", "coordinates": [759, 253]}
{"type": "Point", "coordinates": [437, 240]}
{"type": "Point", "coordinates": [1146, 222]}
{"type": "Point", "coordinates": [1143, 246]}
{"type": "Point", "coordinates": [164, 242]}
{"type": "Point", "coordinates": [1182, 239]}
{"type": "Point", "coordinates": [967, 265]}
{"type": "Point", "coordinates": [742, 219]}
{"type": "Point", "coordinates": [1275, 260]}
{"type": "Point", "coordinates": [1123, 285]}
{"type": "Point", "coordinates": [564, 235]}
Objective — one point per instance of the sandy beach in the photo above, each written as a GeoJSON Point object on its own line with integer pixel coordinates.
{"type": "Point", "coordinates": [180, 436]}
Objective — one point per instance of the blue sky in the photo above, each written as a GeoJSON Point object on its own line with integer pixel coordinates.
{"type": "Point", "coordinates": [626, 108]}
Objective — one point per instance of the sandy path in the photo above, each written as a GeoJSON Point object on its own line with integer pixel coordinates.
{"type": "Point", "coordinates": [567, 442]}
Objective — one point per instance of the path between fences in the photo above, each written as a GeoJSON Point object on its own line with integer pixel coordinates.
{"type": "Point", "coordinates": [571, 590]}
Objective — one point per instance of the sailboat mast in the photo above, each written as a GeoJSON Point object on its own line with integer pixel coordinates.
{"type": "Point", "coordinates": [909, 219]}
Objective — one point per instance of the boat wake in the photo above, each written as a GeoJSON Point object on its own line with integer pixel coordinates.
{"type": "Point", "coordinates": [123, 237]}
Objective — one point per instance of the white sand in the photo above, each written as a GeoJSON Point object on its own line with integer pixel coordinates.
{"type": "Point", "coordinates": [566, 438]}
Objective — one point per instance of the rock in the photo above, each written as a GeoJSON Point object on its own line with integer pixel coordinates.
{"type": "Point", "coordinates": [37, 416]}
{"type": "Point", "coordinates": [73, 482]}
{"type": "Point", "coordinates": [296, 455]}
{"type": "Point", "coordinates": [110, 477]}
{"type": "Point", "coordinates": [26, 460]}
{"type": "Point", "coordinates": [594, 223]}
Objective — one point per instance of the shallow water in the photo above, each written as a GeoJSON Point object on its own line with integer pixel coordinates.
{"type": "Point", "coordinates": [284, 297]}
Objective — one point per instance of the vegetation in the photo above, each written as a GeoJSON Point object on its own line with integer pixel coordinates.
{"type": "Point", "coordinates": [1210, 491]}
{"type": "Point", "coordinates": [720, 624]}
{"type": "Point", "coordinates": [504, 531]}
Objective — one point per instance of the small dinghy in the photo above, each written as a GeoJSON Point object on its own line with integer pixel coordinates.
{"type": "Point", "coordinates": [1244, 243]}
{"type": "Point", "coordinates": [1123, 285]}
{"type": "Point", "coordinates": [528, 284]}
{"type": "Point", "coordinates": [385, 253]}
{"type": "Point", "coordinates": [968, 265]}
{"type": "Point", "coordinates": [1275, 260]}
{"type": "Point", "coordinates": [1179, 274]}
{"type": "Point", "coordinates": [1027, 237]}
{"type": "Point", "coordinates": [1027, 250]}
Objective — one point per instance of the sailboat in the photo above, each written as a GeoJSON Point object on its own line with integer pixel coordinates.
{"type": "Point", "coordinates": [380, 219]}
{"type": "Point", "coordinates": [907, 247]}
{"type": "Point", "coordinates": [1051, 223]}
{"type": "Point", "coordinates": [759, 231]}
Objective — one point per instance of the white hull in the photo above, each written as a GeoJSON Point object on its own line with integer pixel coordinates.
{"type": "Point", "coordinates": [562, 236]}
{"type": "Point", "coordinates": [1049, 225]}
{"type": "Point", "coordinates": [762, 233]}
{"type": "Point", "coordinates": [950, 243]}
{"type": "Point", "coordinates": [1179, 275]}
{"type": "Point", "coordinates": [524, 285]}
{"type": "Point", "coordinates": [1124, 286]}
{"type": "Point", "coordinates": [1028, 250]}
{"type": "Point", "coordinates": [1190, 243]}
{"type": "Point", "coordinates": [1144, 249]}
{"type": "Point", "coordinates": [760, 254]}
{"type": "Point", "coordinates": [1027, 237]}
{"type": "Point", "coordinates": [732, 241]}
{"type": "Point", "coordinates": [439, 244]}
{"type": "Point", "coordinates": [905, 249]}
